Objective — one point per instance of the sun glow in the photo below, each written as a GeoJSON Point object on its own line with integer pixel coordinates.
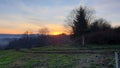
{"type": "Point", "coordinates": [56, 33]}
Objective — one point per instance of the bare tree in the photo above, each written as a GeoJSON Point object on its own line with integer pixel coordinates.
{"type": "Point", "coordinates": [44, 31]}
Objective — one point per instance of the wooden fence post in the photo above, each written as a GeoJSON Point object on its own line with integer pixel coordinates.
{"type": "Point", "coordinates": [117, 59]}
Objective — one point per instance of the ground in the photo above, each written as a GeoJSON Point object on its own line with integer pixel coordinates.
{"type": "Point", "coordinates": [27, 59]}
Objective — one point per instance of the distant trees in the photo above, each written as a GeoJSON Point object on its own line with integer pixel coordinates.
{"type": "Point", "coordinates": [43, 37]}
{"type": "Point", "coordinates": [59, 40]}
{"type": "Point", "coordinates": [28, 40]}
{"type": "Point", "coordinates": [23, 42]}
{"type": "Point", "coordinates": [43, 31]}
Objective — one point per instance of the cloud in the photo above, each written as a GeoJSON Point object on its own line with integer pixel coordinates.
{"type": "Point", "coordinates": [34, 14]}
{"type": "Point", "coordinates": [115, 24]}
{"type": "Point", "coordinates": [60, 17]}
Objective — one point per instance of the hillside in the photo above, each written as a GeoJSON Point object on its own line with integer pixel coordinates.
{"type": "Point", "coordinates": [27, 59]}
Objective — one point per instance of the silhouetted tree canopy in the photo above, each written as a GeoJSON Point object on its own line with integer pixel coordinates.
{"type": "Point", "coordinates": [87, 29]}
{"type": "Point", "coordinates": [43, 31]}
{"type": "Point", "coordinates": [80, 22]}
{"type": "Point", "coordinates": [82, 17]}
{"type": "Point", "coordinates": [100, 25]}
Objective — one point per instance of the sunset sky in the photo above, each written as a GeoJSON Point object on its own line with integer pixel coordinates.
{"type": "Point", "coordinates": [17, 16]}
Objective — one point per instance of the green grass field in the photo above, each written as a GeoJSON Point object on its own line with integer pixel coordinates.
{"type": "Point", "coordinates": [19, 59]}
{"type": "Point", "coordinates": [13, 59]}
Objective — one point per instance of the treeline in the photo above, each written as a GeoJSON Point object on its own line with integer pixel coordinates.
{"type": "Point", "coordinates": [87, 29]}
{"type": "Point", "coordinates": [101, 32]}
{"type": "Point", "coordinates": [38, 40]}
{"type": "Point", "coordinates": [102, 37]}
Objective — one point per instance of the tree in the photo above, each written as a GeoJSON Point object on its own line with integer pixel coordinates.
{"type": "Point", "coordinates": [25, 41]}
{"type": "Point", "coordinates": [44, 31]}
{"type": "Point", "coordinates": [100, 25]}
{"type": "Point", "coordinates": [79, 22]}
{"type": "Point", "coordinates": [43, 37]}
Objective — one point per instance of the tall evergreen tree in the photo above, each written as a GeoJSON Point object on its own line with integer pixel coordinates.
{"type": "Point", "coordinates": [80, 24]}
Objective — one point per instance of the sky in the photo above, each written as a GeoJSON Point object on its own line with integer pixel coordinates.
{"type": "Point", "coordinates": [18, 16]}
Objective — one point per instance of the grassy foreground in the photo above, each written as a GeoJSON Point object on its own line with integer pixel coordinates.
{"type": "Point", "coordinates": [18, 59]}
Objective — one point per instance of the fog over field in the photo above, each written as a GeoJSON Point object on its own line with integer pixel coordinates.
{"type": "Point", "coordinates": [6, 38]}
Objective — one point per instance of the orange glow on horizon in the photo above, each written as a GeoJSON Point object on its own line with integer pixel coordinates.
{"type": "Point", "coordinates": [56, 33]}
{"type": "Point", "coordinates": [54, 29]}
{"type": "Point", "coordinates": [10, 31]}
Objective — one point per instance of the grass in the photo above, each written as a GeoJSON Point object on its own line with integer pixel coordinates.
{"type": "Point", "coordinates": [16, 59]}
{"type": "Point", "coordinates": [87, 48]}
{"type": "Point", "coordinates": [8, 56]}
{"type": "Point", "coordinates": [103, 46]}
{"type": "Point", "coordinates": [51, 48]}
{"type": "Point", "coordinates": [13, 59]}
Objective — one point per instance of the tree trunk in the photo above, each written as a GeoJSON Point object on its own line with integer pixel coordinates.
{"type": "Point", "coordinates": [83, 40]}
